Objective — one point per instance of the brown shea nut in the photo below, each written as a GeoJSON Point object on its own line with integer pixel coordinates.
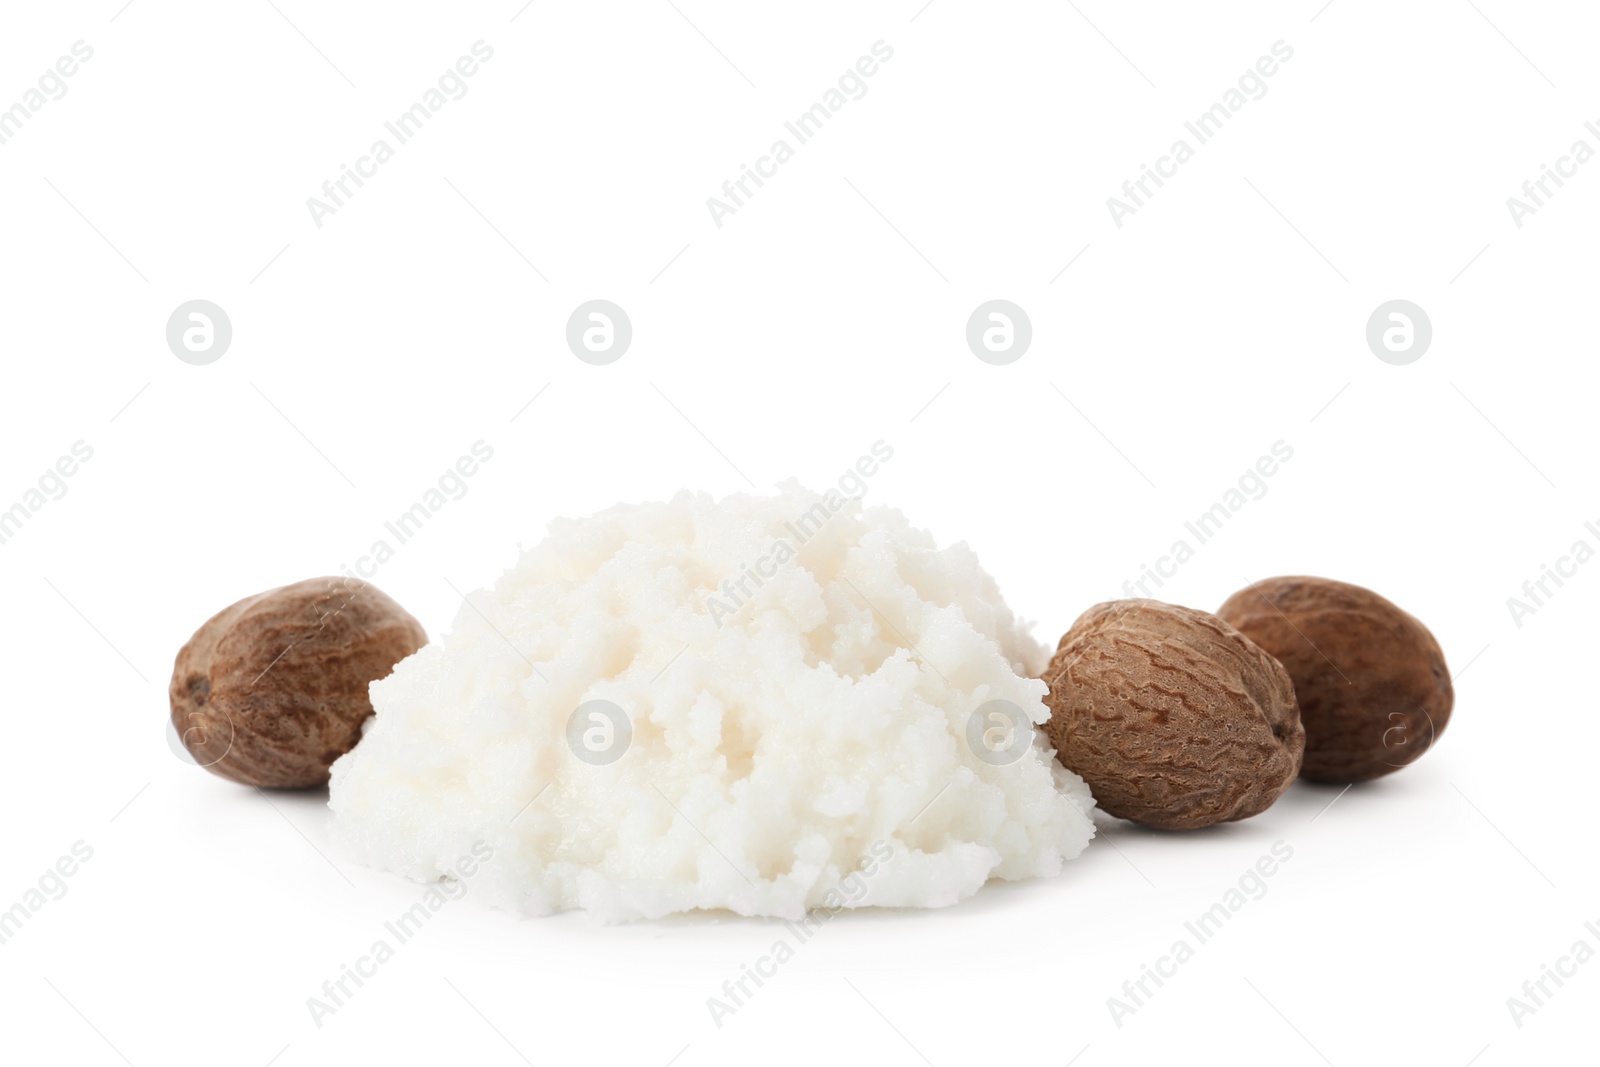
{"type": "Point", "coordinates": [1174, 718]}
{"type": "Point", "coordinates": [1371, 680]}
{"type": "Point", "coordinates": [272, 690]}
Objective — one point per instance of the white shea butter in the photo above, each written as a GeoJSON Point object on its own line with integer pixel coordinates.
{"type": "Point", "coordinates": [795, 677]}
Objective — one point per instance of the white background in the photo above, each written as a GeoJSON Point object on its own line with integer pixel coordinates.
{"type": "Point", "coordinates": [828, 313]}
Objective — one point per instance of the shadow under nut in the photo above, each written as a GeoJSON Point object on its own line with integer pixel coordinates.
{"type": "Point", "coordinates": [273, 689]}
{"type": "Point", "coordinates": [1174, 718]}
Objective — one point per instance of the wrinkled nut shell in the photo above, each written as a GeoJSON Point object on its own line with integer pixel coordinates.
{"type": "Point", "coordinates": [1371, 680]}
{"type": "Point", "coordinates": [272, 690]}
{"type": "Point", "coordinates": [1174, 718]}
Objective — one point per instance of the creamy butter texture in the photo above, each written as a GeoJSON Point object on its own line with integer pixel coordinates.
{"type": "Point", "coordinates": [792, 680]}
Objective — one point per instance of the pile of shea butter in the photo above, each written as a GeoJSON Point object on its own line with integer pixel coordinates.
{"type": "Point", "coordinates": [762, 704]}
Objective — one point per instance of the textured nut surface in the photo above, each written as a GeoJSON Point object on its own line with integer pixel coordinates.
{"type": "Point", "coordinates": [1372, 684]}
{"type": "Point", "coordinates": [1174, 718]}
{"type": "Point", "coordinates": [272, 690]}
